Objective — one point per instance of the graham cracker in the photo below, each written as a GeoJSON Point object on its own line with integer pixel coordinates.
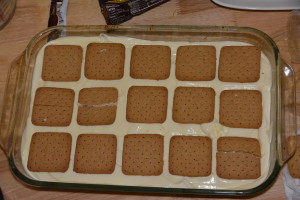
{"type": "Point", "coordinates": [150, 62]}
{"type": "Point", "coordinates": [147, 104]}
{"type": "Point", "coordinates": [104, 61]}
{"type": "Point", "coordinates": [193, 105]}
{"type": "Point", "coordinates": [239, 64]}
{"type": "Point", "coordinates": [196, 63]}
{"type": "Point", "coordinates": [143, 154]}
{"type": "Point", "coordinates": [95, 154]}
{"type": "Point", "coordinates": [190, 156]}
{"type": "Point", "coordinates": [49, 152]}
{"type": "Point", "coordinates": [240, 144]}
{"type": "Point", "coordinates": [51, 115]}
{"type": "Point", "coordinates": [52, 107]}
{"type": "Point", "coordinates": [53, 96]}
{"type": "Point", "coordinates": [97, 106]}
{"type": "Point", "coordinates": [98, 96]}
{"type": "Point", "coordinates": [241, 108]}
{"type": "Point", "coordinates": [238, 161]}
{"type": "Point", "coordinates": [62, 63]}
{"type": "Point", "coordinates": [294, 162]}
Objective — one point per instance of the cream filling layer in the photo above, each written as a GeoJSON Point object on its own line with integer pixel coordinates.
{"type": "Point", "coordinates": [121, 127]}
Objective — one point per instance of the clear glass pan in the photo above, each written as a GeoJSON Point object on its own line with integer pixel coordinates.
{"type": "Point", "coordinates": [283, 116]}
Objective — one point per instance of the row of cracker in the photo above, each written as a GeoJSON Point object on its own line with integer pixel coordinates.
{"type": "Point", "coordinates": [237, 157]}
{"type": "Point", "coordinates": [105, 61]}
{"type": "Point", "coordinates": [147, 104]}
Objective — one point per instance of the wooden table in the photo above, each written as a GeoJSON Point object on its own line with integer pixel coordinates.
{"type": "Point", "coordinates": [31, 16]}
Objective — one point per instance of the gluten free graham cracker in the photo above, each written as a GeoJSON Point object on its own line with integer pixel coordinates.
{"type": "Point", "coordinates": [49, 152]}
{"type": "Point", "coordinates": [62, 63]}
{"type": "Point", "coordinates": [52, 107]}
{"type": "Point", "coordinates": [238, 158]}
{"type": "Point", "coordinates": [104, 61]}
{"type": "Point", "coordinates": [241, 108]}
{"type": "Point", "coordinates": [150, 62]}
{"type": "Point", "coordinates": [147, 104]}
{"type": "Point", "coordinates": [190, 156]}
{"type": "Point", "coordinates": [196, 63]}
{"type": "Point", "coordinates": [239, 64]}
{"type": "Point", "coordinates": [294, 162]}
{"type": "Point", "coordinates": [97, 106]}
{"type": "Point", "coordinates": [143, 154]}
{"type": "Point", "coordinates": [193, 105]}
{"type": "Point", "coordinates": [95, 154]}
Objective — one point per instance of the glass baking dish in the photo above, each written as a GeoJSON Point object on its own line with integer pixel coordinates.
{"type": "Point", "coordinates": [282, 117]}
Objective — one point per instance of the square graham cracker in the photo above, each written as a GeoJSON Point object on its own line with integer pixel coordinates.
{"type": "Point", "coordinates": [52, 107]}
{"type": "Point", "coordinates": [238, 158]}
{"type": "Point", "coordinates": [104, 61]}
{"type": "Point", "coordinates": [239, 64]}
{"type": "Point", "coordinates": [62, 63]}
{"type": "Point", "coordinates": [241, 108]}
{"type": "Point", "coordinates": [147, 104]}
{"type": "Point", "coordinates": [49, 152]}
{"type": "Point", "coordinates": [95, 154]}
{"type": "Point", "coordinates": [143, 154]}
{"type": "Point", "coordinates": [193, 105]}
{"type": "Point", "coordinates": [294, 162]}
{"type": "Point", "coordinates": [97, 106]}
{"type": "Point", "coordinates": [150, 62]}
{"type": "Point", "coordinates": [190, 156]}
{"type": "Point", "coordinates": [196, 63]}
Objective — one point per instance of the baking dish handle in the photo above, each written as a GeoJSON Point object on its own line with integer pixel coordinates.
{"type": "Point", "coordinates": [286, 113]}
{"type": "Point", "coordinates": [9, 105]}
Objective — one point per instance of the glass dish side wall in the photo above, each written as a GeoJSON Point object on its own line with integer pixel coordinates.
{"type": "Point", "coordinates": [167, 33]}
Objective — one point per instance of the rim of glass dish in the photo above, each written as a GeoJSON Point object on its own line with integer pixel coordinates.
{"type": "Point", "coordinates": [151, 27]}
{"type": "Point", "coordinates": [140, 189]}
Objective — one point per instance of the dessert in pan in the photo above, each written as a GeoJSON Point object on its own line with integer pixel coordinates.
{"type": "Point", "coordinates": [125, 111]}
